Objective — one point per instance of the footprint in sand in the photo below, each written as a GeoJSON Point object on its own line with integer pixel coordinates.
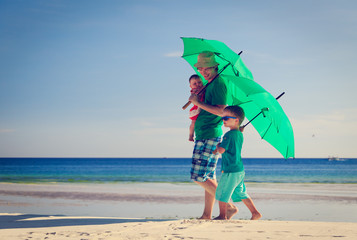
{"type": "Point", "coordinates": [84, 234]}
{"type": "Point", "coordinates": [234, 226]}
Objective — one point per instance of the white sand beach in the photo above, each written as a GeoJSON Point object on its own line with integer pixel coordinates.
{"type": "Point", "coordinates": [19, 226]}
{"type": "Point", "coordinates": [168, 211]}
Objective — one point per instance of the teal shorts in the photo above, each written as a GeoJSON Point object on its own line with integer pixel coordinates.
{"type": "Point", "coordinates": [232, 186]}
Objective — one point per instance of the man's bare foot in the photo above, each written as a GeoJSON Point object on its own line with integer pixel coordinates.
{"type": "Point", "coordinates": [220, 218]}
{"type": "Point", "coordinates": [203, 217]}
{"type": "Point", "coordinates": [256, 216]}
{"type": "Point", "coordinates": [231, 211]}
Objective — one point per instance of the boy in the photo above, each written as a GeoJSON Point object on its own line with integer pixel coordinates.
{"type": "Point", "coordinates": [232, 184]}
{"type": "Point", "coordinates": [195, 85]}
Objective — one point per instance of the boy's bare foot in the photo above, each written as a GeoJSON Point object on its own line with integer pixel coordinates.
{"type": "Point", "coordinates": [256, 216]}
{"type": "Point", "coordinates": [231, 211]}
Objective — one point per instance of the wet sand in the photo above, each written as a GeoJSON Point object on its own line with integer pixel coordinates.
{"type": "Point", "coordinates": [288, 202]}
{"type": "Point", "coordinates": [168, 211]}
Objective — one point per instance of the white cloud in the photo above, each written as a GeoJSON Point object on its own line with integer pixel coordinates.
{"type": "Point", "coordinates": [146, 123]}
{"type": "Point", "coordinates": [173, 54]}
{"type": "Point", "coordinates": [7, 130]}
{"type": "Point", "coordinates": [160, 131]}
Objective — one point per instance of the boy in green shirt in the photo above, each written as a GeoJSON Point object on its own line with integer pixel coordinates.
{"type": "Point", "coordinates": [232, 184]}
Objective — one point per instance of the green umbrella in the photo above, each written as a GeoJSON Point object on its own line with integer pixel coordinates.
{"type": "Point", "coordinates": [270, 120]}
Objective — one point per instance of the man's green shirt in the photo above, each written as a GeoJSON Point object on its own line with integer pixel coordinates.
{"type": "Point", "coordinates": [208, 125]}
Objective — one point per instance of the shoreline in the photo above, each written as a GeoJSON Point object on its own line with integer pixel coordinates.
{"type": "Point", "coordinates": [151, 191]}
{"type": "Point", "coordinates": [283, 202]}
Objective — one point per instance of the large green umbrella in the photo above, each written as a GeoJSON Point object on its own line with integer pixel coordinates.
{"type": "Point", "coordinates": [270, 120]}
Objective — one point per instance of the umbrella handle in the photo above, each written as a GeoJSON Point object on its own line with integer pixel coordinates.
{"type": "Point", "coordinates": [203, 89]}
{"type": "Point", "coordinates": [186, 105]}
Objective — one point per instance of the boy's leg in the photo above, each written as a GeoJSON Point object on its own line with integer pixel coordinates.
{"type": "Point", "coordinates": [224, 192]}
{"type": "Point", "coordinates": [250, 205]}
{"type": "Point", "coordinates": [210, 187]}
{"type": "Point", "coordinates": [231, 210]}
{"type": "Point", "coordinates": [222, 211]}
{"type": "Point", "coordinates": [240, 194]}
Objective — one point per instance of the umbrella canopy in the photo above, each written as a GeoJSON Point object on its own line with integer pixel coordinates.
{"type": "Point", "coordinates": [272, 123]}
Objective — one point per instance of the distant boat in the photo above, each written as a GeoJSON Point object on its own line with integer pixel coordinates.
{"type": "Point", "coordinates": [336, 159]}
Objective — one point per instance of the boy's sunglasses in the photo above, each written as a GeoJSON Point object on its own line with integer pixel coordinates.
{"type": "Point", "coordinates": [227, 117]}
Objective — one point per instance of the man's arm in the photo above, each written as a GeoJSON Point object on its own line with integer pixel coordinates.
{"type": "Point", "coordinates": [214, 109]}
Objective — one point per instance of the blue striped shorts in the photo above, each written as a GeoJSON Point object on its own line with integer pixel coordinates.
{"type": "Point", "coordinates": [204, 163]}
{"type": "Point", "coordinates": [232, 186]}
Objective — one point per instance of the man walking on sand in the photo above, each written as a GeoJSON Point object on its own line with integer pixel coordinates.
{"type": "Point", "coordinates": [208, 132]}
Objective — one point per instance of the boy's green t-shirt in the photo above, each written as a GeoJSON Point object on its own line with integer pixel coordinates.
{"type": "Point", "coordinates": [208, 125]}
{"type": "Point", "coordinates": [231, 159]}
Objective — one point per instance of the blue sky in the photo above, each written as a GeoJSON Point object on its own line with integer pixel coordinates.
{"type": "Point", "coordinates": [105, 78]}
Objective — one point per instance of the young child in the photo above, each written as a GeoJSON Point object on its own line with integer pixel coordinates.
{"type": "Point", "coordinates": [195, 85]}
{"type": "Point", "coordinates": [231, 185]}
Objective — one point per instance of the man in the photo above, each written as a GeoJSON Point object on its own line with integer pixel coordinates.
{"type": "Point", "coordinates": [208, 131]}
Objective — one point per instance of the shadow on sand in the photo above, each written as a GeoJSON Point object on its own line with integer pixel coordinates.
{"type": "Point", "coordinates": [38, 221]}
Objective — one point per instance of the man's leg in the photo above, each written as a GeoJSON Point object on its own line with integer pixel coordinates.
{"type": "Point", "coordinates": [210, 186]}
{"type": "Point", "coordinates": [204, 164]}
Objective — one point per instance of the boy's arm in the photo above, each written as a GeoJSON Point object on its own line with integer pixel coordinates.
{"type": "Point", "coordinates": [219, 149]}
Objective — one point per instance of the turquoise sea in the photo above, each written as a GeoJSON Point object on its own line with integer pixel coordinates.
{"type": "Point", "coordinates": [112, 170]}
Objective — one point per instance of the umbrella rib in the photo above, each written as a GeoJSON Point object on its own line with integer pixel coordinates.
{"type": "Point", "coordinates": [252, 119]}
{"type": "Point", "coordinates": [266, 131]}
